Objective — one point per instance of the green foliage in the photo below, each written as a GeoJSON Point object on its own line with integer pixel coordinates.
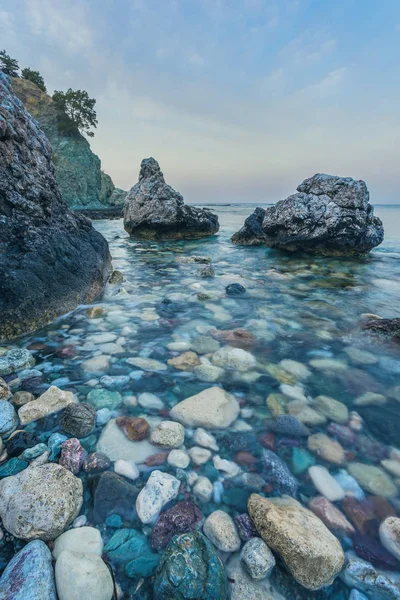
{"type": "Point", "coordinates": [76, 111]}
{"type": "Point", "coordinates": [35, 77]}
{"type": "Point", "coordinates": [8, 65]}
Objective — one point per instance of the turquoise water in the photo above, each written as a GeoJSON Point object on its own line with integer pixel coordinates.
{"type": "Point", "coordinates": [299, 308]}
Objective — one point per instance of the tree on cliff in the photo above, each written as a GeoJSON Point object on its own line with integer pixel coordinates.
{"type": "Point", "coordinates": [76, 111]}
{"type": "Point", "coordinates": [8, 65]}
{"type": "Point", "coordinates": [35, 77]}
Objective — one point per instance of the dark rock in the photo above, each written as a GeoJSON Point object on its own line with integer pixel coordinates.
{"type": "Point", "coordinates": [362, 514]}
{"type": "Point", "coordinates": [96, 462]}
{"type": "Point", "coordinates": [135, 428]}
{"type": "Point", "coordinates": [29, 575]}
{"type": "Point", "coordinates": [113, 494]}
{"type": "Point", "coordinates": [235, 289]}
{"type": "Point", "coordinates": [153, 210]}
{"type": "Point", "coordinates": [184, 516]}
{"type": "Point", "coordinates": [370, 449]}
{"type": "Point", "coordinates": [329, 215]}
{"type": "Point", "coordinates": [373, 551]}
{"type": "Point", "coordinates": [389, 328]}
{"type": "Point", "coordinates": [78, 419]}
{"type": "Point", "coordinates": [67, 351]}
{"type": "Point", "coordinates": [77, 168]}
{"type": "Point", "coordinates": [42, 242]}
{"type": "Point", "coordinates": [287, 425]}
{"type": "Point", "coordinates": [251, 234]}
{"type": "Point", "coordinates": [277, 473]}
{"type": "Point", "coordinates": [116, 277]}
{"type": "Point", "coordinates": [131, 548]}
{"type": "Point", "coordinates": [190, 569]}
{"type": "Point", "coordinates": [72, 455]}
{"type": "Point", "coordinates": [12, 467]}
{"type": "Point", "coordinates": [20, 441]}
{"type": "Point", "coordinates": [245, 527]}
{"type": "Point", "coordinates": [383, 421]}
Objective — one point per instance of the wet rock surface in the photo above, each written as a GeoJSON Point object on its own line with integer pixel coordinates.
{"type": "Point", "coordinates": [154, 210]}
{"type": "Point", "coordinates": [42, 274]}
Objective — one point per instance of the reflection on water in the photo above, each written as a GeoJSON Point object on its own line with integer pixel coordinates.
{"type": "Point", "coordinates": [298, 308]}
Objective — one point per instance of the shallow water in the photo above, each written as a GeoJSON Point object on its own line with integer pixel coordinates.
{"type": "Point", "coordinates": [297, 307]}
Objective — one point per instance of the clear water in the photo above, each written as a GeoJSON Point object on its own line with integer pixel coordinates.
{"type": "Point", "coordinates": [297, 307]}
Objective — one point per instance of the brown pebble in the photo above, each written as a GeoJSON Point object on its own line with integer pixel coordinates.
{"type": "Point", "coordinates": [21, 398]}
{"type": "Point", "coordinates": [135, 428]}
{"type": "Point", "coordinates": [267, 440]}
{"type": "Point", "coordinates": [244, 459]}
{"type": "Point", "coordinates": [156, 460]}
{"type": "Point", "coordinates": [94, 312]}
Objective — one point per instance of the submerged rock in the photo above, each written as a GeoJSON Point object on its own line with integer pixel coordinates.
{"type": "Point", "coordinates": [42, 274]}
{"type": "Point", "coordinates": [184, 516]}
{"type": "Point", "coordinates": [389, 328]}
{"type": "Point", "coordinates": [79, 575]}
{"type": "Point", "coordinates": [190, 568]}
{"type": "Point", "coordinates": [52, 401]}
{"type": "Point", "coordinates": [154, 210]}
{"type": "Point", "coordinates": [329, 215]}
{"type": "Point", "coordinates": [309, 550]}
{"type": "Point", "coordinates": [40, 502]}
{"type": "Point", "coordinates": [29, 575]}
{"type": "Point", "coordinates": [212, 408]}
{"type": "Point", "coordinates": [160, 489]}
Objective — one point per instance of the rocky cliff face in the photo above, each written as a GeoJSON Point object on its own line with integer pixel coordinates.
{"type": "Point", "coordinates": [42, 274]}
{"type": "Point", "coordinates": [78, 170]}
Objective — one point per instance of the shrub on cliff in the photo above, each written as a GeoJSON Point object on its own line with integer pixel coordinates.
{"type": "Point", "coordinates": [8, 65]}
{"type": "Point", "coordinates": [76, 111]}
{"type": "Point", "coordinates": [35, 77]}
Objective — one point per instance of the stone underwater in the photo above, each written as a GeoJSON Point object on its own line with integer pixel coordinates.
{"type": "Point", "coordinates": [189, 412]}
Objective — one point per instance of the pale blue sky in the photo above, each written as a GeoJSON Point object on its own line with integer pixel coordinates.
{"type": "Point", "coordinates": [239, 100]}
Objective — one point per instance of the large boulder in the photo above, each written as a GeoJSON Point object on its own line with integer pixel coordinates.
{"type": "Point", "coordinates": [309, 550]}
{"type": "Point", "coordinates": [251, 234]}
{"type": "Point", "coordinates": [329, 215]}
{"type": "Point", "coordinates": [40, 502]}
{"type": "Point", "coordinates": [154, 210]}
{"type": "Point", "coordinates": [42, 274]}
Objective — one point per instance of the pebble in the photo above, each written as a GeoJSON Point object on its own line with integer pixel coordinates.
{"type": "Point", "coordinates": [370, 398]}
{"type": "Point", "coordinates": [203, 489]}
{"type": "Point", "coordinates": [234, 359]}
{"type": "Point", "coordinates": [295, 368]}
{"type": "Point", "coordinates": [185, 362]}
{"type": "Point", "coordinates": [150, 401]}
{"type": "Point", "coordinates": [389, 535]}
{"type": "Point", "coordinates": [257, 558]}
{"type": "Point", "coordinates": [102, 398]}
{"type": "Point", "coordinates": [349, 484]}
{"type": "Point", "coordinates": [52, 401]}
{"type": "Point", "coordinates": [178, 459]}
{"type": "Point", "coordinates": [21, 398]}
{"type": "Point", "coordinates": [306, 414]}
{"type": "Point", "coordinates": [199, 456]}
{"type": "Point", "coordinates": [16, 360]}
{"type": "Point", "coordinates": [205, 439]}
{"type": "Point", "coordinates": [78, 419]}
{"type": "Point", "coordinates": [212, 408]}
{"type": "Point", "coordinates": [362, 575]}
{"type": "Point", "coordinates": [8, 418]}
{"type": "Point", "coordinates": [72, 455]}
{"type": "Point", "coordinates": [160, 489]}
{"type": "Point", "coordinates": [5, 392]}
{"type": "Point", "coordinates": [326, 448]}
{"type": "Point", "coordinates": [97, 364]}
{"type": "Point", "coordinates": [293, 392]}
{"type": "Point", "coordinates": [359, 356]}
{"type": "Point", "coordinates": [229, 468]}
{"type": "Point", "coordinates": [126, 469]}
{"type": "Point", "coordinates": [180, 518]}
{"type": "Point", "coordinates": [330, 515]}
{"type": "Point", "coordinates": [80, 539]}
{"type": "Point", "coordinates": [115, 445]}
{"type": "Point", "coordinates": [135, 428]}
{"type": "Point", "coordinates": [208, 373]}
{"type": "Point", "coordinates": [373, 479]}
{"type": "Point", "coordinates": [221, 531]}
{"type": "Point", "coordinates": [78, 572]}
{"type": "Point", "coordinates": [288, 425]}
{"type": "Point", "coordinates": [332, 409]}
{"type": "Point", "coordinates": [168, 434]}
{"type": "Point", "coordinates": [325, 483]}
{"type": "Point", "coordinates": [147, 364]}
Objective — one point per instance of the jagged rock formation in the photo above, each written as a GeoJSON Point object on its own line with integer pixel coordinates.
{"type": "Point", "coordinates": [78, 170]}
{"type": "Point", "coordinates": [251, 234]}
{"type": "Point", "coordinates": [154, 210]}
{"type": "Point", "coordinates": [50, 259]}
{"type": "Point", "coordinates": [329, 215]}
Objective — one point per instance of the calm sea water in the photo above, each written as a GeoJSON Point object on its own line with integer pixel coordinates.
{"type": "Point", "coordinates": [298, 307]}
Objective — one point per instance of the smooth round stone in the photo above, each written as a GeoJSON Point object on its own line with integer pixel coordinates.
{"type": "Point", "coordinates": [301, 460]}
{"type": "Point", "coordinates": [212, 408]}
{"type": "Point", "coordinates": [288, 425]}
{"type": "Point", "coordinates": [147, 364]}
{"type": "Point", "coordinates": [328, 364]}
{"type": "Point", "coordinates": [78, 419]}
{"type": "Point", "coordinates": [135, 428]}
{"type": "Point", "coordinates": [102, 398]}
{"type": "Point", "coordinates": [20, 441]}
{"type": "Point", "coordinates": [325, 483]}
{"type": "Point", "coordinates": [16, 360]}
{"type": "Point", "coordinates": [150, 401]}
{"type": "Point", "coordinates": [373, 479]}
{"type": "Point", "coordinates": [332, 409]}
{"type": "Point", "coordinates": [203, 438]}
{"type": "Point", "coordinates": [208, 372]}
{"type": "Point", "coordinates": [97, 364]}
{"type": "Point", "coordinates": [389, 534]}
{"type": "Point", "coordinates": [80, 575]}
{"type": "Point", "coordinates": [392, 466]}
{"type": "Point", "coordinates": [199, 455]}
{"type": "Point", "coordinates": [8, 418]}
{"type": "Point", "coordinates": [235, 289]}
{"type": "Point", "coordinates": [293, 392]}
{"type": "Point", "coordinates": [326, 448]}
{"type": "Point", "coordinates": [242, 587]}
{"type": "Point", "coordinates": [221, 531]}
{"type": "Point", "coordinates": [205, 345]}
{"type": "Point", "coordinates": [370, 398]}
{"type": "Point", "coordinates": [29, 575]}
{"type": "Point", "coordinates": [361, 357]}
{"type": "Point", "coordinates": [81, 539]}
{"type": "Point", "coordinates": [178, 346]}
{"type": "Point", "coordinates": [330, 515]}
{"type": "Point", "coordinates": [21, 398]}
{"type": "Point", "coordinates": [114, 444]}
{"type": "Point", "coordinates": [295, 368]}
{"type": "Point", "coordinates": [203, 489]}
{"type": "Point", "coordinates": [257, 558]}
{"type": "Point", "coordinates": [127, 469]}
{"type": "Point", "coordinates": [234, 359]}
{"type": "Point", "coordinates": [307, 415]}
{"type": "Point", "coordinates": [111, 348]}
{"type": "Point", "coordinates": [178, 459]}
{"type": "Point", "coordinates": [228, 467]}
{"type": "Point", "coordinates": [168, 434]}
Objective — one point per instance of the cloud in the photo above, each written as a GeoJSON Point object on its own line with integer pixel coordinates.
{"type": "Point", "coordinates": [308, 48]}
{"type": "Point", "coordinates": [325, 86]}
{"type": "Point", "coordinates": [196, 59]}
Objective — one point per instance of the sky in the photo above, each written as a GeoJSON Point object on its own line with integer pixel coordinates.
{"type": "Point", "coordinates": [238, 100]}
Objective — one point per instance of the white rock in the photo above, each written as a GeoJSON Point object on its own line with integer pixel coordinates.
{"type": "Point", "coordinates": [328, 364]}
{"type": "Point", "coordinates": [257, 558]}
{"type": "Point", "coordinates": [208, 373]}
{"type": "Point", "coordinates": [228, 467]}
{"type": "Point", "coordinates": [53, 400]}
{"type": "Point", "coordinates": [168, 434]}
{"type": "Point", "coordinates": [293, 391]}
{"type": "Point", "coordinates": [178, 459]}
{"type": "Point", "coordinates": [199, 455]}
{"type": "Point", "coordinates": [240, 425]}
{"type": "Point", "coordinates": [147, 364]}
{"type": "Point", "coordinates": [325, 483]}
{"type": "Point", "coordinates": [80, 521]}
{"type": "Point", "coordinates": [114, 444]}
{"type": "Point", "coordinates": [160, 489]}
{"type": "Point", "coordinates": [191, 477]}
{"type": "Point", "coordinates": [97, 364]}
{"type": "Point", "coordinates": [205, 439]}
{"type": "Point", "coordinates": [147, 400]}
{"type": "Point", "coordinates": [111, 348]}
{"type": "Point", "coordinates": [234, 359]}
{"type": "Point", "coordinates": [295, 368]}
{"type": "Point", "coordinates": [127, 469]}
{"type": "Point", "coordinates": [80, 575]}
{"type": "Point", "coordinates": [101, 338]}
{"type": "Point", "coordinates": [212, 408]}
{"type": "Point", "coordinates": [203, 489]}
{"type": "Point", "coordinates": [221, 531]}
{"type": "Point", "coordinates": [81, 539]}
{"type": "Point", "coordinates": [389, 534]}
